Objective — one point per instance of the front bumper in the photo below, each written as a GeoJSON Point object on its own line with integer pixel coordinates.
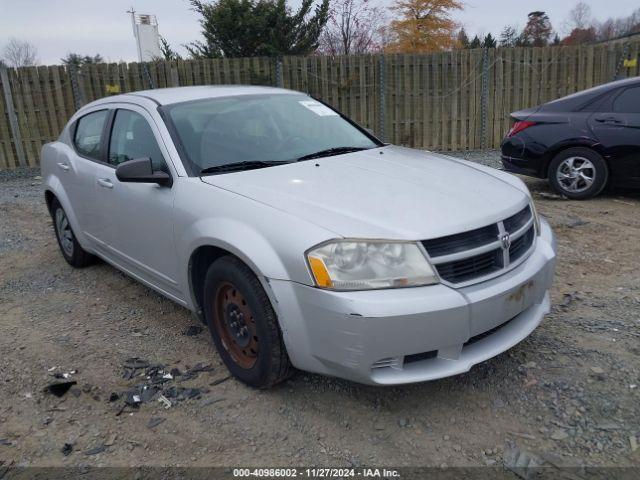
{"type": "Point", "coordinates": [387, 337]}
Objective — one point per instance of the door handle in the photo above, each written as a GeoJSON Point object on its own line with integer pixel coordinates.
{"type": "Point", "coordinates": [611, 120]}
{"type": "Point", "coordinates": [105, 182]}
{"type": "Point", "coordinates": [63, 166]}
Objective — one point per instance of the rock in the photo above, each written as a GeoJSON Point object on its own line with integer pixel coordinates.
{"type": "Point", "coordinates": [403, 422]}
{"type": "Point", "coordinates": [66, 449]}
{"type": "Point", "coordinates": [633, 442]}
{"type": "Point", "coordinates": [111, 440]}
{"type": "Point", "coordinates": [96, 450]}
{"type": "Point", "coordinates": [597, 370]}
{"type": "Point", "coordinates": [445, 438]}
{"type": "Point", "coordinates": [559, 434]}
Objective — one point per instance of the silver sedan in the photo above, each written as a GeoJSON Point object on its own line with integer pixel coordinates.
{"type": "Point", "coordinates": [299, 238]}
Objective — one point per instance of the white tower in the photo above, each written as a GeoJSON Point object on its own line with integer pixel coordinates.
{"type": "Point", "coordinates": [145, 30]}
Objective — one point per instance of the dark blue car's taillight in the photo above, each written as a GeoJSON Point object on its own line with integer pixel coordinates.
{"type": "Point", "coordinates": [519, 126]}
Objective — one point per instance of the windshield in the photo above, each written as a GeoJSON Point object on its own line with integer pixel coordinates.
{"type": "Point", "coordinates": [260, 128]}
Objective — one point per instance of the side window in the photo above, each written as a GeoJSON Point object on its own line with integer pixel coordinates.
{"type": "Point", "coordinates": [628, 101]}
{"type": "Point", "coordinates": [131, 138]}
{"type": "Point", "coordinates": [88, 135]}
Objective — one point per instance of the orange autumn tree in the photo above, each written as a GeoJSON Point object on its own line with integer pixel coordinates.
{"type": "Point", "coordinates": [424, 25]}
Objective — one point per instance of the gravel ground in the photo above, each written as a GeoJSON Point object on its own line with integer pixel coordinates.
{"type": "Point", "coordinates": [567, 395]}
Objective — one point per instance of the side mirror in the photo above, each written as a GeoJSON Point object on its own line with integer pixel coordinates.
{"type": "Point", "coordinates": [140, 170]}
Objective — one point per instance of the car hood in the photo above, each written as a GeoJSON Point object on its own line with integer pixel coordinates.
{"type": "Point", "coordinates": [388, 192]}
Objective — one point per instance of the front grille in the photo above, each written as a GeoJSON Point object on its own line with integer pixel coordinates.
{"type": "Point", "coordinates": [520, 246]}
{"type": "Point", "coordinates": [457, 263]}
{"type": "Point", "coordinates": [417, 357]}
{"type": "Point", "coordinates": [517, 221]}
{"type": "Point", "coordinates": [461, 241]}
{"type": "Point", "coordinates": [469, 268]}
{"type": "Point", "coordinates": [483, 335]}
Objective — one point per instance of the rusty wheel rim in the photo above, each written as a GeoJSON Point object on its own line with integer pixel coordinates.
{"type": "Point", "coordinates": [235, 324]}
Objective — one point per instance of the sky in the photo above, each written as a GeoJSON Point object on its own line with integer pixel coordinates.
{"type": "Point", "coordinates": [57, 27]}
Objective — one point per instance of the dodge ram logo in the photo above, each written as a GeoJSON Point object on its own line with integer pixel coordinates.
{"type": "Point", "coordinates": [505, 238]}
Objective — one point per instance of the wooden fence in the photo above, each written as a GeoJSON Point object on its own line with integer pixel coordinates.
{"type": "Point", "coordinates": [458, 100]}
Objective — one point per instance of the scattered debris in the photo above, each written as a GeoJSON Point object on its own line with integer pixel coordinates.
{"type": "Point", "coordinates": [194, 371]}
{"type": "Point", "coordinates": [219, 381]}
{"type": "Point", "coordinates": [59, 389]}
{"type": "Point", "coordinates": [165, 401]}
{"type": "Point", "coordinates": [155, 421]}
{"type": "Point", "coordinates": [96, 450]}
{"type": "Point", "coordinates": [66, 449]}
{"type": "Point", "coordinates": [551, 196]}
{"type": "Point", "coordinates": [521, 462]}
{"type": "Point", "coordinates": [211, 401]}
{"type": "Point", "coordinates": [193, 330]}
{"type": "Point", "coordinates": [5, 441]}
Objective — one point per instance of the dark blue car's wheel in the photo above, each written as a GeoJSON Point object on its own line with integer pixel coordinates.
{"type": "Point", "coordinates": [578, 173]}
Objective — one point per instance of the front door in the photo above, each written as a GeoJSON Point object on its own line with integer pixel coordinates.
{"type": "Point", "coordinates": [618, 130]}
{"type": "Point", "coordinates": [136, 219]}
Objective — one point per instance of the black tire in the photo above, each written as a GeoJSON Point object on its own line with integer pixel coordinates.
{"type": "Point", "coordinates": [600, 172]}
{"type": "Point", "coordinates": [71, 250]}
{"type": "Point", "coordinates": [246, 303]}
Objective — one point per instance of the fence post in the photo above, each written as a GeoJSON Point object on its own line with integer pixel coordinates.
{"type": "Point", "coordinates": [484, 97]}
{"type": "Point", "coordinates": [382, 103]}
{"type": "Point", "coordinates": [279, 79]}
{"type": "Point", "coordinates": [145, 69]}
{"type": "Point", "coordinates": [78, 99]}
{"type": "Point", "coordinates": [13, 119]}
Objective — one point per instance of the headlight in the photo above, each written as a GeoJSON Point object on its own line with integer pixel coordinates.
{"type": "Point", "coordinates": [369, 264]}
{"type": "Point", "coordinates": [536, 218]}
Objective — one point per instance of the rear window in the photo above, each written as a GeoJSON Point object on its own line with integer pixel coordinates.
{"type": "Point", "coordinates": [88, 135]}
{"type": "Point", "coordinates": [628, 101]}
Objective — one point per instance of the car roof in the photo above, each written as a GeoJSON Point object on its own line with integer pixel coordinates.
{"type": "Point", "coordinates": [167, 96]}
{"type": "Point", "coordinates": [583, 97]}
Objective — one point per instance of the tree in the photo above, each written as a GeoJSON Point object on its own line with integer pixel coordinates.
{"type": "Point", "coordinates": [538, 29]}
{"type": "Point", "coordinates": [248, 28]}
{"type": "Point", "coordinates": [579, 17]}
{"type": "Point", "coordinates": [579, 36]}
{"type": "Point", "coordinates": [475, 43]}
{"type": "Point", "coordinates": [78, 60]}
{"type": "Point", "coordinates": [509, 36]}
{"type": "Point", "coordinates": [463, 38]}
{"type": "Point", "coordinates": [489, 41]}
{"type": "Point", "coordinates": [424, 25]}
{"type": "Point", "coordinates": [556, 40]}
{"type": "Point", "coordinates": [168, 53]}
{"type": "Point", "coordinates": [353, 27]}
{"type": "Point", "coordinates": [20, 53]}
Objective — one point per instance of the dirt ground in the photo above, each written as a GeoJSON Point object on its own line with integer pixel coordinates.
{"type": "Point", "coordinates": [569, 394]}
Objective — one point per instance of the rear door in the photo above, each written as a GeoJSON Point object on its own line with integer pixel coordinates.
{"type": "Point", "coordinates": [78, 170]}
{"type": "Point", "coordinates": [617, 128]}
{"type": "Point", "coordinates": [136, 219]}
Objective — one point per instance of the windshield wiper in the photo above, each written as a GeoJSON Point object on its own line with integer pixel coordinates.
{"type": "Point", "coordinates": [330, 152]}
{"type": "Point", "coordinates": [238, 166]}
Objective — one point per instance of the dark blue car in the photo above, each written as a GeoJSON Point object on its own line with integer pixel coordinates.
{"type": "Point", "coordinates": [581, 143]}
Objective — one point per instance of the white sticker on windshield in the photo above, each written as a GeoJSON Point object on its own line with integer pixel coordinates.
{"type": "Point", "coordinates": [318, 108]}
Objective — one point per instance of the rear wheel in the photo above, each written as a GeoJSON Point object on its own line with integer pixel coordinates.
{"type": "Point", "coordinates": [71, 250]}
{"type": "Point", "coordinates": [243, 324]}
{"type": "Point", "coordinates": [578, 173]}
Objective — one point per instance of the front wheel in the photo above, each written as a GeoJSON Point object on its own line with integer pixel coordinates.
{"type": "Point", "coordinates": [578, 173]}
{"type": "Point", "coordinates": [243, 324]}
